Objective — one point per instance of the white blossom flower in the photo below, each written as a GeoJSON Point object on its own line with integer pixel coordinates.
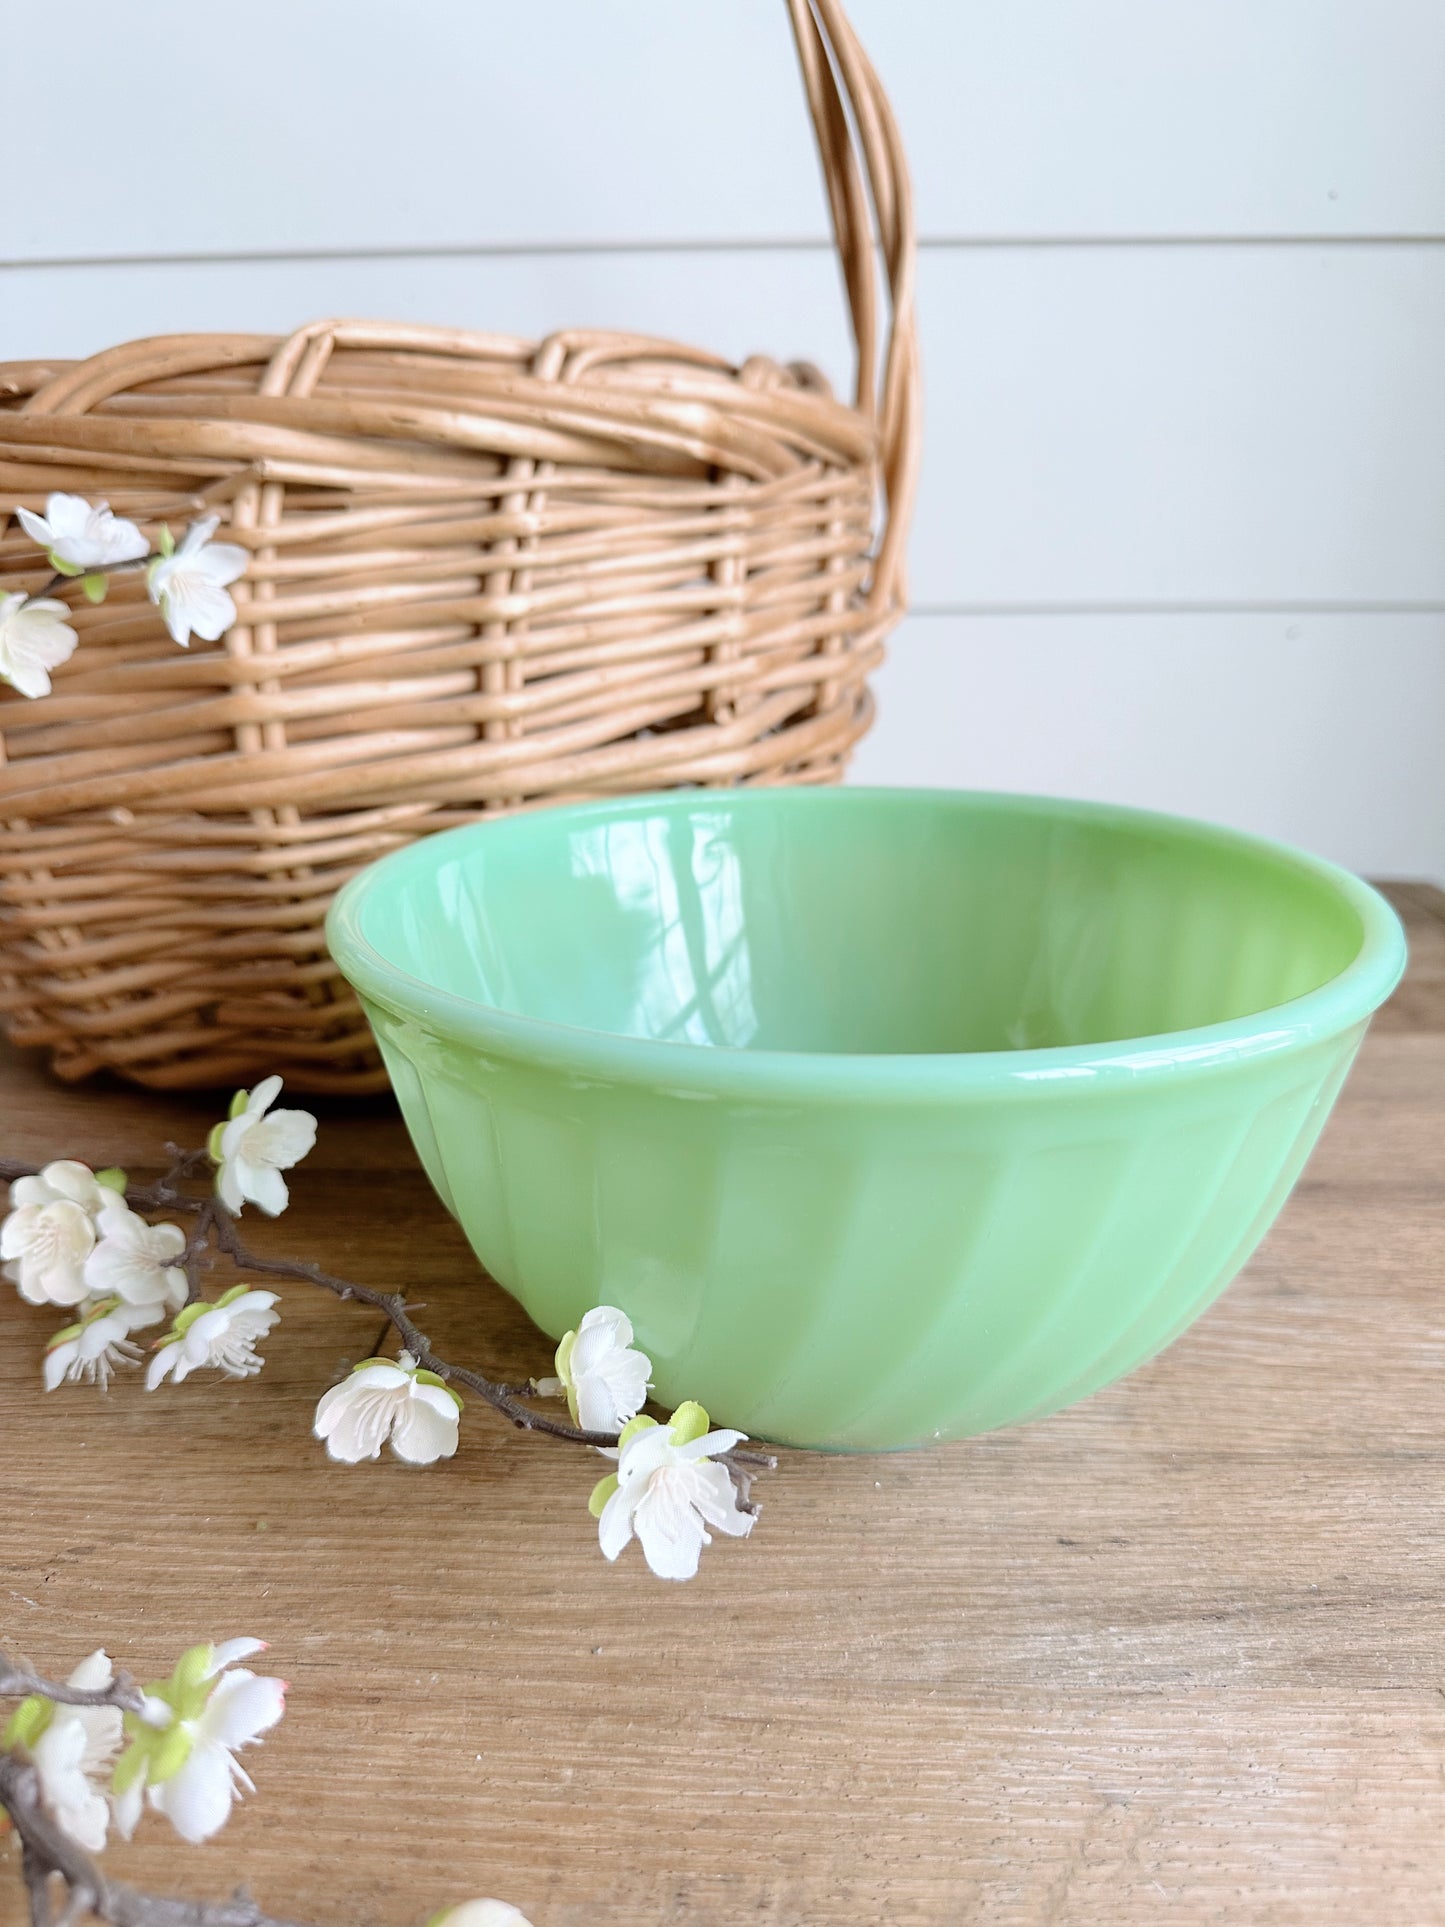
{"type": "Point", "coordinates": [480, 1913]}
{"type": "Point", "coordinates": [135, 1261]}
{"type": "Point", "coordinates": [50, 1232]}
{"type": "Point", "coordinates": [34, 639]}
{"type": "Point", "coordinates": [94, 1348]}
{"type": "Point", "coordinates": [68, 1178]}
{"type": "Point", "coordinates": [79, 537]}
{"type": "Point", "coordinates": [71, 1748]}
{"type": "Point", "coordinates": [668, 1491]}
{"type": "Point", "coordinates": [181, 1751]}
{"type": "Point", "coordinates": [415, 1410]}
{"type": "Point", "coordinates": [252, 1149]}
{"type": "Point", "coordinates": [188, 585]}
{"type": "Point", "coordinates": [222, 1335]}
{"type": "Point", "coordinates": [605, 1381]}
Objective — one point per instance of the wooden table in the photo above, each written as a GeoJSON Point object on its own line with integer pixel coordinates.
{"type": "Point", "coordinates": [1177, 1655]}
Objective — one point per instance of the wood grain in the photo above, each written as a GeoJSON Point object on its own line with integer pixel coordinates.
{"type": "Point", "coordinates": [1172, 1656]}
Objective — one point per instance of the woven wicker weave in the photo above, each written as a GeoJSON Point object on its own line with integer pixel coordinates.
{"type": "Point", "coordinates": [483, 573]}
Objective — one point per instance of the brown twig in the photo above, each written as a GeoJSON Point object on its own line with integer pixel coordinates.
{"type": "Point", "coordinates": [216, 1229]}
{"type": "Point", "coordinates": [48, 1852]}
{"type": "Point", "coordinates": [18, 1682]}
{"type": "Point", "coordinates": [62, 578]}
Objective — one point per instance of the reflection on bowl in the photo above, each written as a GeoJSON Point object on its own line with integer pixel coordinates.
{"type": "Point", "coordinates": [886, 1115]}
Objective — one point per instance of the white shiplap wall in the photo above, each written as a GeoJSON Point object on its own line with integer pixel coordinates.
{"type": "Point", "coordinates": [1181, 538]}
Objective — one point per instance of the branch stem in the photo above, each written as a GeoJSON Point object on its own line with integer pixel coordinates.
{"type": "Point", "coordinates": [48, 1850]}
{"type": "Point", "coordinates": [217, 1229]}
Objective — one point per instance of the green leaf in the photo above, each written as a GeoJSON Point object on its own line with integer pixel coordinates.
{"type": "Point", "coordinates": [433, 1378]}
{"type": "Point", "coordinates": [28, 1721]}
{"type": "Point", "coordinates": [194, 1666]}
{"type": "Point", "coordinates": [642, 1423]}
{"type": "Point", "coordinates": [688, 1422]}
{"type": "Point", "coordinates": [601, 1493]}
{"type": "Point", "coordinates": [185, 1318]}
{"type": "Point", "coordinates": [239, 1103]}
{"type": "Point", "coordinates": [165, 541]}
{"type": "Point", "coordinates": [64, 568]}
{"type": "Point", "coordinates": [94, 585]}
{"type": "Point", "coordinates": [563, 1360]}
{"type": "Point", "coordinates": [186, 1691]}
{"type": "Point", "coordinates": [132, 1763]}
{"type": "Point", "coordinates": [172, 1750]}
{"type": "Point", "coordinates": [113, 1178]}
{"type": "Point", "coordinates": [213, 1143]}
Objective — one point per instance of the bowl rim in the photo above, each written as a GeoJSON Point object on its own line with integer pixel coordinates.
{"type": "Point", "coordinates": [689, 1069]}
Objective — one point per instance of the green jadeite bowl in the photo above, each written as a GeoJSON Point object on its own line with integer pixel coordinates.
{"type": "Point", "coordinates": [885, 1115]}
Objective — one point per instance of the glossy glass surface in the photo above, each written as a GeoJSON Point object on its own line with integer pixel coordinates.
{"type": "Point", "coordinates": [885, 1115]}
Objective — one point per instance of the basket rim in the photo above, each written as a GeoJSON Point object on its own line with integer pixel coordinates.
{"type": "Point", "coordinates": [1073, 1070]}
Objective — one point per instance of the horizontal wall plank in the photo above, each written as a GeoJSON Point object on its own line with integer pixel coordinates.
{"type": "Point", "coordinates": [1322, 730]}
{"type": "Point", "coordinates": [1199, 117]}
{"type": "Point", "coordinates": [487, 124]}
{"type": "Point", "coordinates": [1230, 424]}
{"type": "Point", "coordinates": [1220, 424]}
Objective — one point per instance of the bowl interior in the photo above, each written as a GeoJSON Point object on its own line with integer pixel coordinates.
{"type": "Point", "coordinates": [861, 922]}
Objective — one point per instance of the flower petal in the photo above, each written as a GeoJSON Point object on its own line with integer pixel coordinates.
{"type": "Point", "coordinates": [126, 1807]}
{"type": "Point", "coordinates": [76, 1181]}
{"type": "Point", "coordinates": [283, 1138]}
{"type": "Point", "coordinates": [73, 1801]}
{"type": "Point", "coordinates": [168, 1359]}
{"type": "Point", "coordinates": [482, 1913]}
{"type": "Point", "coordinates": [712, 1491]}
{"type": "Point", "coordinates": [223, 562]}
{"type": "Point", "coordinates": [355, 1417]}
{"type": "Point", "coordinates": [18, 1229]}
{"type": "Point", "coordinates": [260, 1100]}
{"type": "Point", "coordinates": [197, 1800]}
{"type": "Point", "coordinates": [242, 1707]}
{"type": "Point", "coordinates": [614, 1528]}
{"type": "Point", "coordinates": [263, 1184]}
{"type": "Point", "coordinates": [710, 1445]}
{"type": "Point", "coordinates": [426, 1426]}
{"type": "Point", "coordinates": [228, 1185]}
{"type": "Point", "coordinates": [614, 1391]}
{"type": "Point", "coordinates": [209, 607]}
{"type": "Point", "coordinates": [604, 1329]}
{"type": "Point", "coordinates": [198, 534]}
{"type": "Point", "coordinates": [230, 1650]}
{"type": "Point", "coordinates": [670, 1530]}
{"type": "Point", "coordinates": [58, 1361]}
{"type": "Point", "coordinates": [93, 1673]}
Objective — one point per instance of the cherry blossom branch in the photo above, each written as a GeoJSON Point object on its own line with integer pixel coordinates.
{"type": "Point", "coordinates": [85, 543]}
{"type": "Point", "coordinates": [55, 1762]}
{"type": "Point", "coordinates": [217, 1229]}
{"type": "Point", "coordinates": [48, 1852]}
{"type": "Point", "coordinates": [18, 1682]}
{"type": "Point", "coordinates": [63, 579]}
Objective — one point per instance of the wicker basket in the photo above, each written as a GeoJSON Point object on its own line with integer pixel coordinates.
{"type": "Point", "coordinates": [483, 573]}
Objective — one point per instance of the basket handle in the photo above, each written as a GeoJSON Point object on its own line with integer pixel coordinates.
{"type": "Point", "coordinates": [870, 200]}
